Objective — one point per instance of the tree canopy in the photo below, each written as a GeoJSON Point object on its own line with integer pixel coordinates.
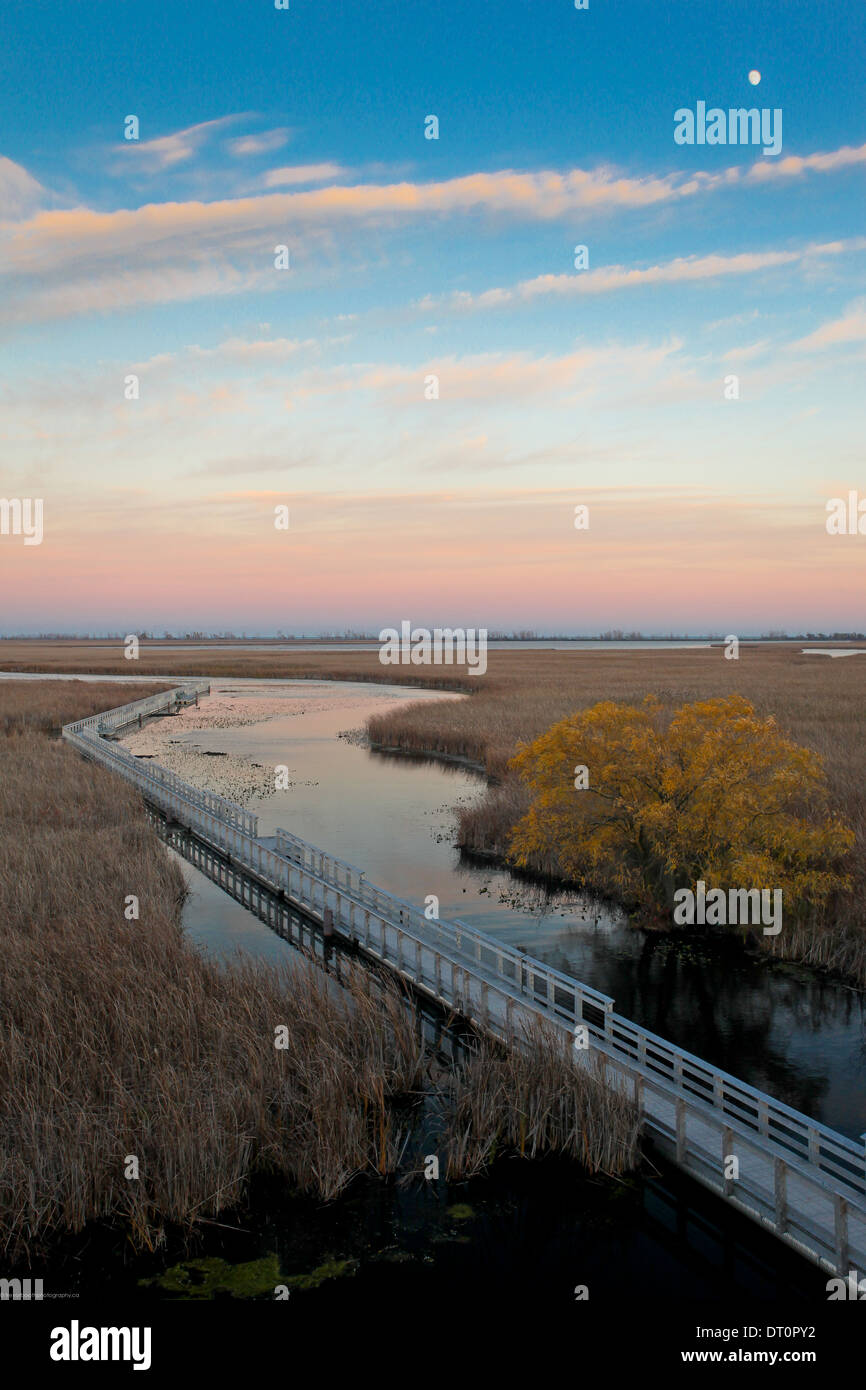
{"type": "Point", "coordinates": [712, 792]}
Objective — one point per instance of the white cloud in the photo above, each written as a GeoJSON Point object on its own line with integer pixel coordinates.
{"type": "Point", "coordinates": [850, 328]}
{"type": "Point", "coordinates": [76, 260]}
{"type": "Point", "coordinates": [304, 173]}
{"type": "Point", "coordinates": [20, 193]}
{"type": "Point", "coordinates": [794, 165]}
{"type": "Point", "coordinates": [165, 151]}
{"type": "Point", "coordinates": [264, 143]}
{"type": "Point", "coordinates": [258, 350]}
{"type": "Point", "coordinates": [619, 277]}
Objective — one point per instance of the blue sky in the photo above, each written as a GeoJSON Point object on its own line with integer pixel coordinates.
{"type": "Point", "coordinates": [410, 257]}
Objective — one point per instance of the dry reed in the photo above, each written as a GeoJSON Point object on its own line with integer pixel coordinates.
{"type": "Point", "coordinates": [118, 1039]}
{"type": "Point", "coordinates": [817, 701]}
{"type": "Point", "coordinates": [531, 1099]}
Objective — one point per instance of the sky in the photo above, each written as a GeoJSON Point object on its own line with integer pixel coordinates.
{"type": "Point", "coordinates": [432, 385]}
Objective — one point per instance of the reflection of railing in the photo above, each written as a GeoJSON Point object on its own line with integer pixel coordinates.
{"type": "Point", "coordinates": [652, 1059]}
{"type": "Point", "coordinates": [802, 1180]}
{"type": "Point", "coordinates": [558, 994]}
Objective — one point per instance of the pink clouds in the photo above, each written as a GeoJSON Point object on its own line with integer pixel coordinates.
{"type": "Point", "coordinates": [850, 328]}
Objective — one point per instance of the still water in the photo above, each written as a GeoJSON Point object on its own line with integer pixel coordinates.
{"type": "Point", "coordinates": [795, 1035]}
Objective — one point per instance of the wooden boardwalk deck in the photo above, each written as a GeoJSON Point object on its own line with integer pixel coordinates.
{"type": "Point", "coordinates": [799, 1179]}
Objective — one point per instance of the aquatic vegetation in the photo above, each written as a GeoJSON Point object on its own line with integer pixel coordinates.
{"type": "Point", "coordinates": [460, 1211]}
{"type": "Point", "coordinates": [329, 1269]}
{"type": "Point", "coordinates": [211, 1277]}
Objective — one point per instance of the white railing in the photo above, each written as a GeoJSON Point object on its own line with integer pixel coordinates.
{"type": "Point", "coordinates": [491, 983]}
{"type": "Point", "coordinates": [750, 1109]}
{"type": "Point", "coordinates": [652, 1055]}
{"type": "Point", "coordinates": [149, 776]}
{"type": "Point", "coordinates": [559, 994]}
{"type": "Point", "coordinates": [121, 715]}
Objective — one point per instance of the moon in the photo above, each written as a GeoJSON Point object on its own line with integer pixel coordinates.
{"type": "Point", "coordinates": [754, 77]}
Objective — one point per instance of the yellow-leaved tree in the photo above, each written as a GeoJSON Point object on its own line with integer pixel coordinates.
{"type": "Point", "coordinates": [712, 792]}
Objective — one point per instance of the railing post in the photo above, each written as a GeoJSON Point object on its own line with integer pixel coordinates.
{"type": "Point", "coordinates": [681, 1129]}
{"type": "Point", "coordinates": [727, 1150]}
{"type": "Point", "coordinates": [840, 1229]}
{"type": "Point", "coordinates": [780, 1190]}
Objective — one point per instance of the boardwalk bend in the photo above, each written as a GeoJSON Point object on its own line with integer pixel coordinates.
{"type": "Point", "coordinates": [797, 1178]}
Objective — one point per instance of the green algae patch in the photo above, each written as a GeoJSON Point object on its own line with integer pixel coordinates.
{"type": "Point", "coordinates": [461, 1211]}
{"type": "Point", "coordinates": [208, 1278]}
{"type": "Point", "coordinates": [331, 1269]}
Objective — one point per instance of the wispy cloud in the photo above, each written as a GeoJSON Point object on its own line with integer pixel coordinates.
{"type": "Point", "coordinates": [260, 350]}
{"type": "Point", "coordinates": [167, 151]}
{"type": "Point", "coordinates": [745, 354]}
{"type": "Point", "coordinates": [850, 328]}
{"type": "Point", "coordinates": [265, 142]}
{"type": "Point", "coordinates": [20, 193]}
{"type": "Point", "coordinates": [304, 173]}
{"type": "Point", "coordinates": [237, 465]}
{"type": "Point", "coordinates": [794, 165]}
{"type": "Point", "coordinates": [81, 259]}
{"type": "Point", "coordinates": [619, 277]}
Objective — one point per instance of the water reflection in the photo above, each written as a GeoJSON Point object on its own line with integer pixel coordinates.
{"type": "Point", "coordinates": [784, 1030]}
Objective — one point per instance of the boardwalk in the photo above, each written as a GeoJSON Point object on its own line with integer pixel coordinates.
{"type": "Point", "coordinates": [799, 1179]}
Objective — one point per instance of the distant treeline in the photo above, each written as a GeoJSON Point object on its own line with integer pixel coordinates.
{"type": "Point", "coordinates": [526, 635]}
